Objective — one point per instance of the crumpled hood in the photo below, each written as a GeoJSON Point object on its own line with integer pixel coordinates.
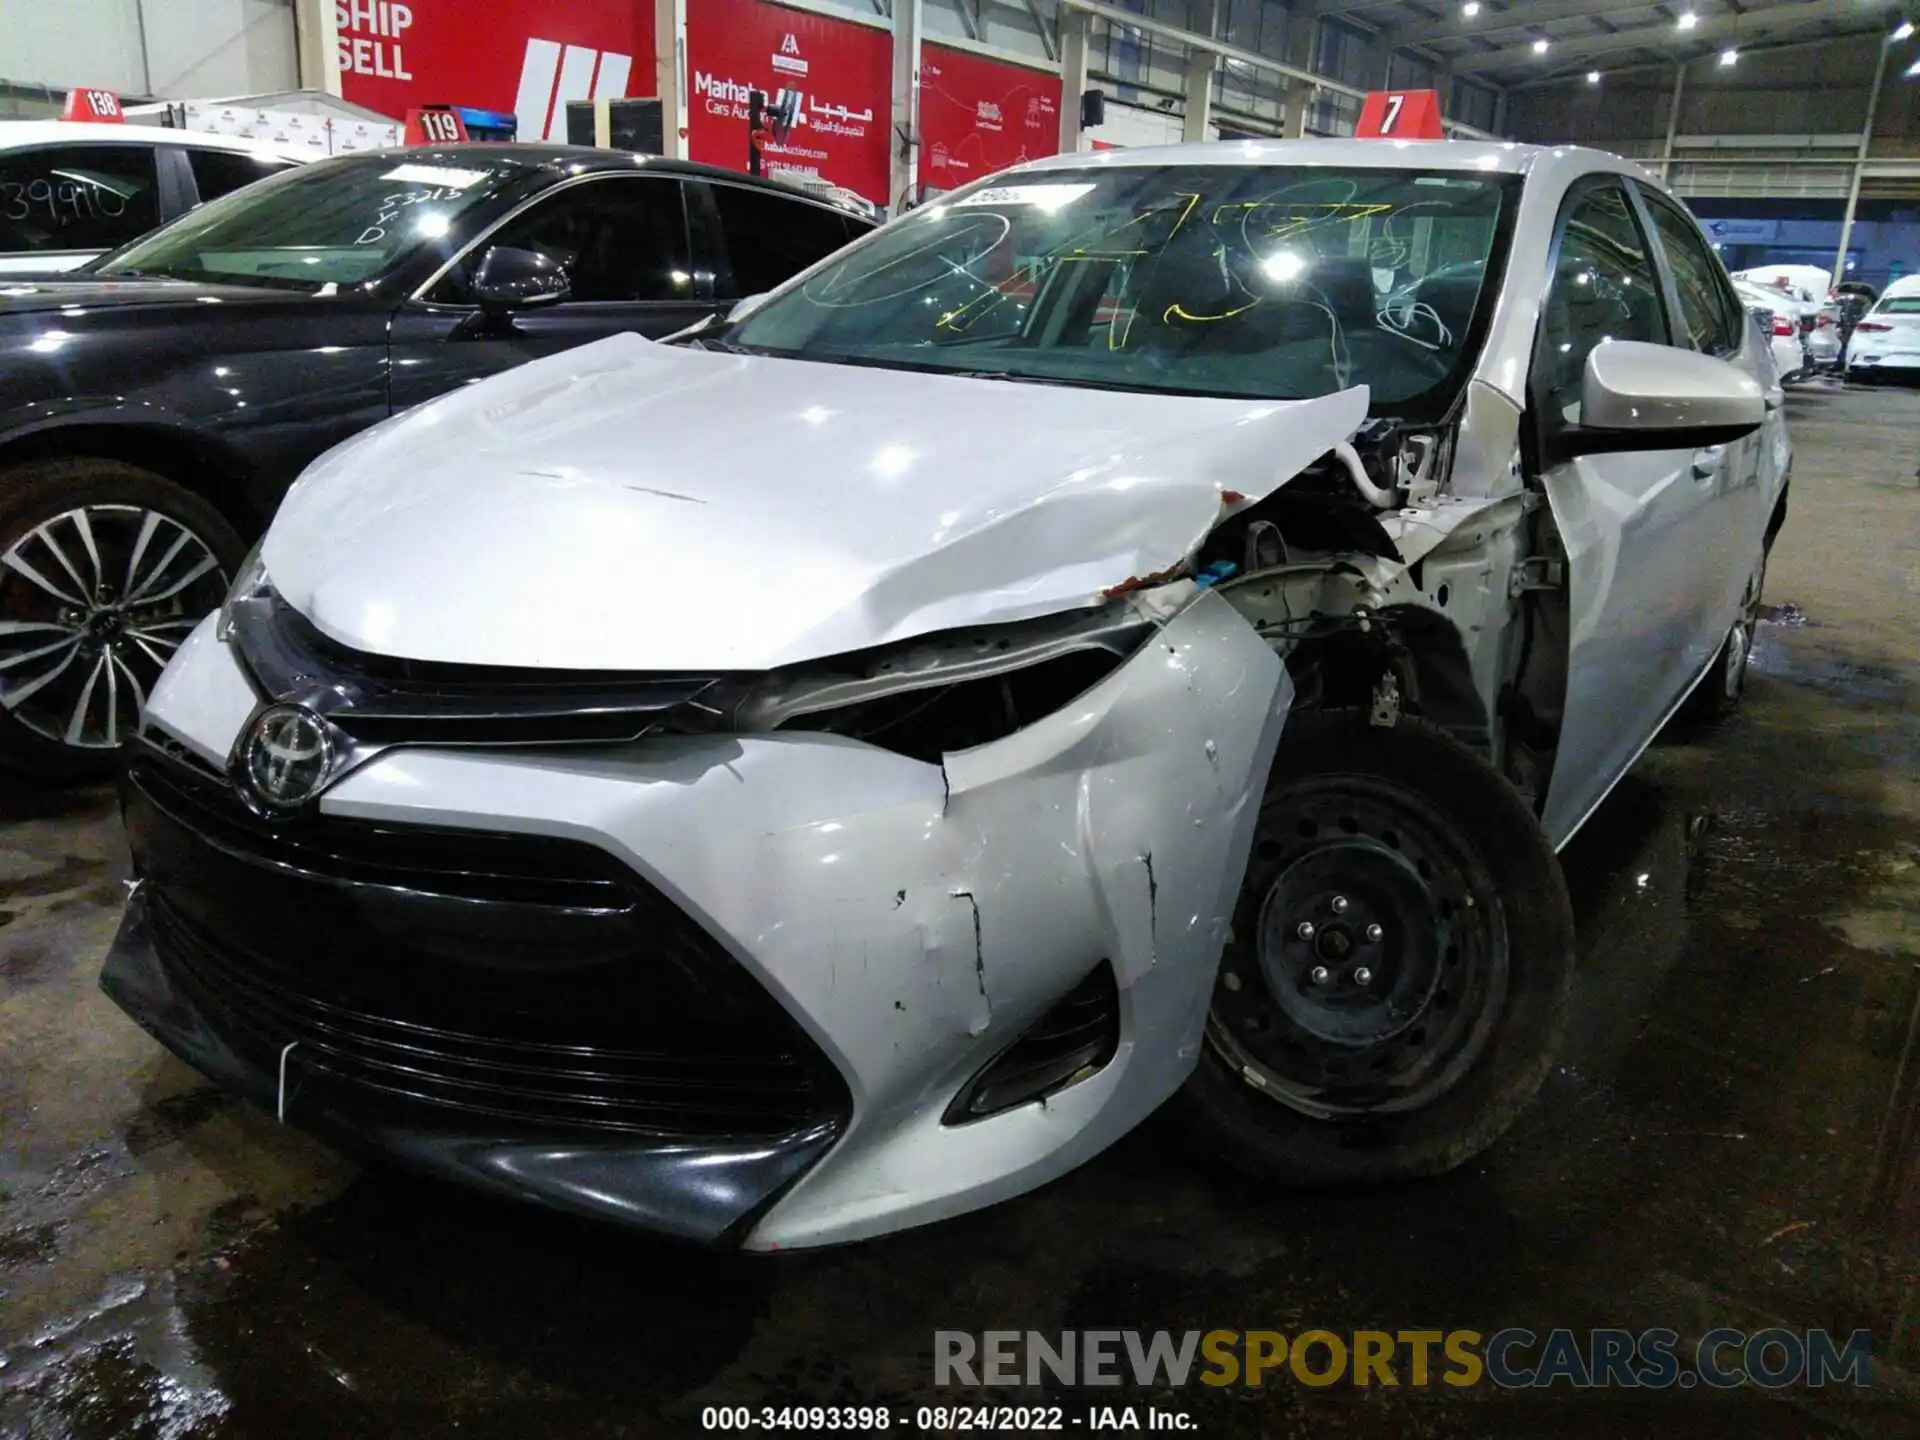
{"type": "Point", "coordinates": [634, 506]}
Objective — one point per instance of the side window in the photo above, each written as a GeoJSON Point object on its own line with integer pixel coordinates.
{"type": "Point", "coordinates": [76, 197]}
{"type": "Point", "coordinates": [770, 239]}
{"type": "Point", "coordinates": [620, 239]}
{"type": "Point", "coordinates": [1603, 288]}
{"type": "Point", "coordinates": [215, 172]}
{"type": "Point", "coordinates": [1709, 314]}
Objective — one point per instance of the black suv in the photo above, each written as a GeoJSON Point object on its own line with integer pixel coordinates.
{"type": "Point", "coordinates": [156, 404]}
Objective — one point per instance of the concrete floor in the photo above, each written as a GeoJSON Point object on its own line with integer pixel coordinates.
{"type": "Point", "coordinates": [1732, 1140]}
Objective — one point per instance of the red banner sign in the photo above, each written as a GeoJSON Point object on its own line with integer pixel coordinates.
{"type": "Point", "coordinates": [843, 71]}
{"type": "Point", "coordinates": [978, 116]}
{"type": "Point", "coordinates": [529, 57]}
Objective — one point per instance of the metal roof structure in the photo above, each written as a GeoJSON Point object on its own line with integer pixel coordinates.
{"type": "Point", "coordinates": [1514, 43]}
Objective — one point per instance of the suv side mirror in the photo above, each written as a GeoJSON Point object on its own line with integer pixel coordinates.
{"type": "Point", "coordinates": [1636, 396]}
{"type": "Point", "coordinates": [509, 278]}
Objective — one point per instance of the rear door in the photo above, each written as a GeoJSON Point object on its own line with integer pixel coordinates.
{"type": "Point", "coordinates": [214, 172]}
{"type": "Point", "coordinates": [624, 243]}
{"type": "Point", "coordinates": [764, 238]}
{"type": "Point", "coordinates": [1632, 523]}
{"type": "Point", "coordinates": [60, 205]}
{"type": "Point", "coordinates": [1743, 488]}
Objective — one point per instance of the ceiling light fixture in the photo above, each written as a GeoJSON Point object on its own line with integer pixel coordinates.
{"type": "Point", "coordinates": [1593, 77]}
{"type": "Point", "coordinates": [1689, 20]}
{"type": "Point", "coordinates": [1470, 9]}
{"type": "Point", "coordinates": [1905, 32]}
{"type": "Point", "coordinates": [1540, 47]}
{"type": "Point", "coordinates": [1913, 70]}
{"type": "Point", "coordinates": [1729, 57]}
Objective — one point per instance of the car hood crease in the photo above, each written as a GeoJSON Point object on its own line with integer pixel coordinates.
{"type": "Point", "coordinates": [634, 506]}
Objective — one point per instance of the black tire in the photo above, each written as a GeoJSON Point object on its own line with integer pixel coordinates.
{"type": "Point", "coordinates": [1724, 686]}
{"type": "Point", "coordinates": [1496, 928]}
{"type": "Point", "coordinates": [158, 558]}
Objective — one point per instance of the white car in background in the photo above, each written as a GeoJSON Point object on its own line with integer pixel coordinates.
{"type": "Point", "coordinates": [1800, 291]}
{"type": "Point", "coordinates": [1779, 320]}
{"type": "Point", "coordinates": [1887, 339]}
{"type": "Point", "coordinates": [71, 191]}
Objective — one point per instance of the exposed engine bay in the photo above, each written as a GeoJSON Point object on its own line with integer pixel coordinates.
{"type": "Point", "coordinates": [1381, 590]}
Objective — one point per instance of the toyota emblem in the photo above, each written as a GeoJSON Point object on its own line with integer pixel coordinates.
{"type": "Point", "coordinates": [285, 758]}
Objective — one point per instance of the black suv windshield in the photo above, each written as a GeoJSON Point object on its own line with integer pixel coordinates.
{"type": "Point", "coordinates": [1268, 282]}
{"type": "Point", "coordinates": [336, 222]}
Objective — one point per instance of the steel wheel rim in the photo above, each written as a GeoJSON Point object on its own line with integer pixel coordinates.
{"type": "Point", "coordinates": [1332, 1047]}
{"type": "Point", "coordinates": [1739, 648]}
{"type": "Point", "coordinates": [93, 603]}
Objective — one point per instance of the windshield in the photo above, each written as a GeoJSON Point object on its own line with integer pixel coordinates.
{"type": "Point", "coordinates": [1246, 281]}
{"type": "Point", "coordinates": [331, 223]}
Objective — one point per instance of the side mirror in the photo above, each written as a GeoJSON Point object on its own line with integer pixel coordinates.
{"type": "Point", "coordinates": [743, 308]}
{"type": "Point", "coordinates": [509, 278]}
{"type": "Point", "coordinates": [1636, 396]}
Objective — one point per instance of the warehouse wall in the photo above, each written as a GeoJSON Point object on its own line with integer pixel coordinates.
{"type": "Point", "coordinates": [166, 48]}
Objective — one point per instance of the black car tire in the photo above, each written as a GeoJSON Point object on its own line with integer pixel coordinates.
{"type": "Point", "coordinates": [1724, 686]}
{"type": "Point", "coordinates": [43, 550]}
{"type": "Point", "coordinates": [1411, 829]}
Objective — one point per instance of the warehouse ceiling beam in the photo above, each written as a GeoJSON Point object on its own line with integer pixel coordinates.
{"type": "Point", "coordinates": [1853, 15]}
{"type": "Point", "coordinates": [1488, 22]}
{"type": "Point", "coordinates": [1049, 35]}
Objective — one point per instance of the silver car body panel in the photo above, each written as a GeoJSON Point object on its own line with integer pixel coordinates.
{"type": "Point", "coordinates": [914, 918]}
{"type": "Point", "coordinates": [848, 507]}
{"type": "Point", "coordinates": [635, 507]}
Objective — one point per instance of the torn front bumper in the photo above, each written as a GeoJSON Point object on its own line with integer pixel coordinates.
{"type": "Point", "coordinates": [704, 1190]}
{"type": "Point", "coordinates": [909, 921]}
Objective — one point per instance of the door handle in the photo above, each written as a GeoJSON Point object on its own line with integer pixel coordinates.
{"type": "Point", "coordinates": [1709, 462]}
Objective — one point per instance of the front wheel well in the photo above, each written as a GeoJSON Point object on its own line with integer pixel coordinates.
{"type": "Point", "coordinates": [1776, 520]}
{"type": "Point", "coordinates": [1424, 653]}
{"type": "Point", "coordinates": [189, 461]}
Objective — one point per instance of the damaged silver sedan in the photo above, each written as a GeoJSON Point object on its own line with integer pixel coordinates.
{"type": "Point", "coordinates": [1136, 630]}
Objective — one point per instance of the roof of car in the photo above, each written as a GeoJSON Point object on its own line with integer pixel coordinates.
{"type": "Point", "coordinates": [17, 133]}
{"type": "Point", "coordinates": [1499, 156]}
{"type": "Point", "coordinates": [583, 158]}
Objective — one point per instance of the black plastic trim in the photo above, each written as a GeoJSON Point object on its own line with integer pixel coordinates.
{"type": "Point", "coordinates": [1079, 1034]}
{"type": "Point", "coordinates": [708, 1191]}
{"type": "Point", "coordinates": [379, 699]}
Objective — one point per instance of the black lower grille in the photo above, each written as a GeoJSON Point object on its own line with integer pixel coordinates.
{"type": "Point", "coordinates": [1078, 1036]}
{"type": "Point", "coordinates": [520, 977]}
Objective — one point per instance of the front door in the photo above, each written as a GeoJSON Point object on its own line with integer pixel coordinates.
{"type": "Point", "coordinates": [624, 244]}
{"type": "Point", "coordinates": [1634, 524]}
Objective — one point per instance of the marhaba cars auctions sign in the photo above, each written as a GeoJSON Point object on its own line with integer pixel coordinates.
{"type": "Point", "coordinates": [842, 71]}
{"type": "Point", "coordinates": [533, 58]}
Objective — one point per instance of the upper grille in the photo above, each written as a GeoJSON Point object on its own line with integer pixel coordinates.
{"type": "Point", "coordinates": [520, 977]}
{"type": "Point", "coordinates": [379, 698]}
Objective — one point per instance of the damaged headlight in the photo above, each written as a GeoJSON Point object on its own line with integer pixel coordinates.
{"type": "Point", "coordinates": [249, 584]}
{"type": "Point", "coordinates": [928, 697]}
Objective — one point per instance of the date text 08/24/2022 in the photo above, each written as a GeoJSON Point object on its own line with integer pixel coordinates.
{"type": "Point", "coordinates": [944, 1419]}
